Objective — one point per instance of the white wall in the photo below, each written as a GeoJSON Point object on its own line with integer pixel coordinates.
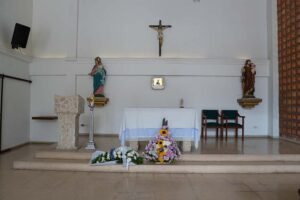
{"type": "Point", "coordinates": [203, 54]}
{"type": "Point", "coordinates": [211, 84]}
{"type": "Point", "coordinates": [54, 28]}
{"type": "Point", "coordinates": [209, 29]}
{"type": "Point", "coordinates": [15, 124]}
{"type": "Point", "coordinates": [221, 33]}
{"type": "Point", "coordinates": [16, 101]}
{"type": "Point", "coordinates": [12, 12]}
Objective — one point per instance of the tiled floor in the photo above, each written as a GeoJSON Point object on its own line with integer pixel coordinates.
{"type": "Point", "coordinates": [44, 185]}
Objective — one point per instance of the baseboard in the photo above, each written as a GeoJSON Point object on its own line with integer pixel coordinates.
{"type": "Point", "coordinates": [41, 142]}
{"type": "Point", "coordinates": [101, 134]}
{"type": "Point", "coordinates": [275, 138]}
{"type": "Point", "coordinates": [14, 148]}
{"type": "Point", "coordinates": [289, 140]}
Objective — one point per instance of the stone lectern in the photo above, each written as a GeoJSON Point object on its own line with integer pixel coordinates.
{"type": "Point", "coordinates": [68, 109]}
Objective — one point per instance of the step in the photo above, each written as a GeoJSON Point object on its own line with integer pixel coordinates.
{"type": "Point", "coordinates": [184, 157]}
{"type": "Point", "coordinates": [180, 167]}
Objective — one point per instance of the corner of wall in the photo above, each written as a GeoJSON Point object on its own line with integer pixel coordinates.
{"type": "Point", "coordinates": [273, 79]}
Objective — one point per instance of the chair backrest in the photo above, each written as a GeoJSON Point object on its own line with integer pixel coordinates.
{"type": "Point", "coordinates": [229, 114]}
{"type": "Point", "coordinates": [210, 114]}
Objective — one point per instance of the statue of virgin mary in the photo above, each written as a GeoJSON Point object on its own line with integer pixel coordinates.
{"type": "Point", "coordinates": [99, 74]}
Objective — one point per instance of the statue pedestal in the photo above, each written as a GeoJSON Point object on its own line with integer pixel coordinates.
{"type": "Point", "coordinates": [68, 109]}
{"type": "Point", "coordinates": [249, 102]}
{"type": "Point", "coordinates": [99, 101]}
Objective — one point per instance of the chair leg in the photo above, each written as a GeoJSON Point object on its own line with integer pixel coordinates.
{"type": "Point", "coordinates": [205, 134]}
{"type": "Point", "coordinates": [226, 133]}
{"type": "Point", "coordinates": [217, 132]}
{"type": "Point", "coordinates": [236, 133]}
{"type": "Point", "coordinates": [202, 132]}
{"type": "Point", "coordinates": [222, 134]}
{"type": "Point", "coordinates": [243, 133]}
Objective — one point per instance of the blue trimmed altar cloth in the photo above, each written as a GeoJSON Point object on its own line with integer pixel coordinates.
{"type": "Point", "coordinates": [143, 124]}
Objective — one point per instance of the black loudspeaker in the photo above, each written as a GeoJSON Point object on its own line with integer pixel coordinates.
{"type": "Point", "coordinates": [20, 36]}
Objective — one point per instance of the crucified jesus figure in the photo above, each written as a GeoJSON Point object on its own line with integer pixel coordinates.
{"type": "Point", "coordinates": [160, 35]}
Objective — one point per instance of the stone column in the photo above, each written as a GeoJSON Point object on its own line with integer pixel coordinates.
{"type": "Point", "coordinates": [68, 109]}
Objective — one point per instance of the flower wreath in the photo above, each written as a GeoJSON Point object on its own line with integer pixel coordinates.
{"type": "Point", "coordinates": [163, 148]}
{"type": "Point", "coordinates": [115, 155]}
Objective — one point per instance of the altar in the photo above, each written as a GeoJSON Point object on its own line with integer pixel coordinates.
{"type": "Point", "coordinates": [143, 124]}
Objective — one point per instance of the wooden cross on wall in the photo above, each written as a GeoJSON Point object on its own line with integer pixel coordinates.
{"type": "Point", "coordinates": [160, 36]}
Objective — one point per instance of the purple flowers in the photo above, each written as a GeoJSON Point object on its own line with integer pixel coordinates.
{"type": "Point", "coordinates": [162, 149]}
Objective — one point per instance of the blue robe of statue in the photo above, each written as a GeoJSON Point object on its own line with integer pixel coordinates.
{"type": "Point", "coordinates": [99, 75]}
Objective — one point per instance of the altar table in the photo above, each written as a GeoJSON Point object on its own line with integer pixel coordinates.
{"type": "Point", "coordinates": [143, 124]}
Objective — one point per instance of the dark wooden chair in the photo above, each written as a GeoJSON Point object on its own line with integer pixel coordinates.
{"type": "Point", "coordinates": [230, 119]}
{"type": "Point", "coordinates": [210, 119]}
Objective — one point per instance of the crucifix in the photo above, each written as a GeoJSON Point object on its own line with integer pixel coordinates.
{"type": "Point", "coordinates": [160, 36]}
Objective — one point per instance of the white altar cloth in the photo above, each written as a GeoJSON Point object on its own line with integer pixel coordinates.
{"type": "Point", "coordinates": [142, 124]}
